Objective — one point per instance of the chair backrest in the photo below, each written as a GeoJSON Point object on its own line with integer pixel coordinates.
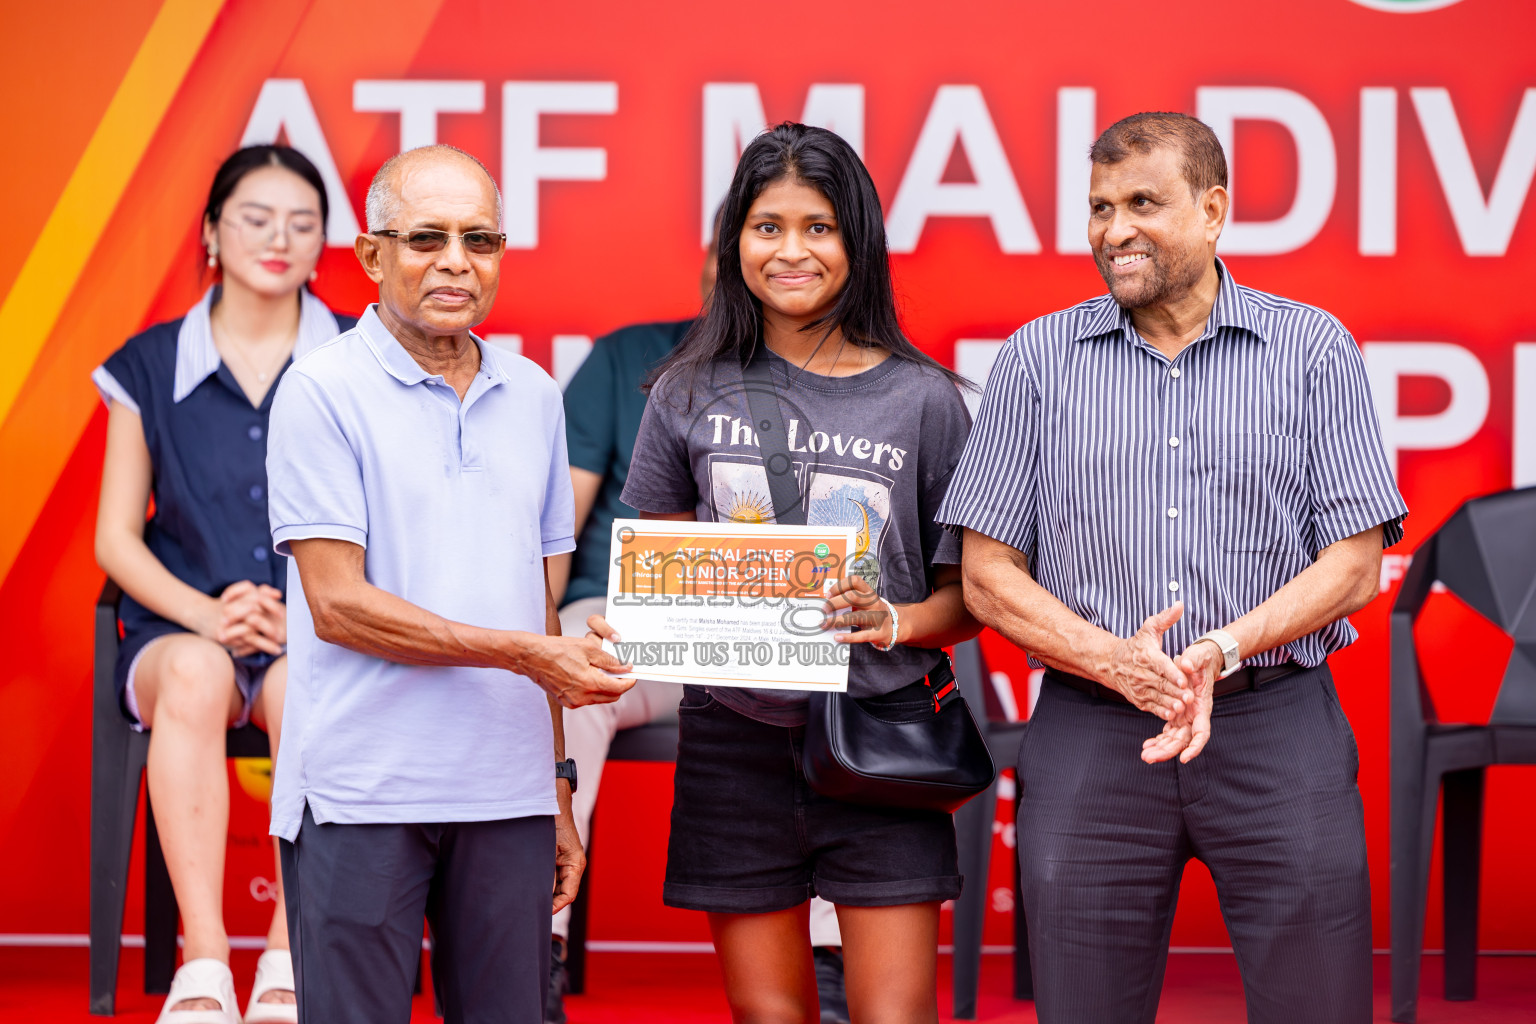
{"type": "Point", "coordinates": [104, 710]}
{"type": "Point", "coordinates": [1485, 554]}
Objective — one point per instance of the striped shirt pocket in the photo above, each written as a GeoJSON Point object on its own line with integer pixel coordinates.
{"type": "Point", "coordinates": [1260, 491]}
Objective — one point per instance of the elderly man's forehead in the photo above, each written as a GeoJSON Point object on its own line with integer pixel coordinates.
{"type": "Point", "coordinates": [439, 176]}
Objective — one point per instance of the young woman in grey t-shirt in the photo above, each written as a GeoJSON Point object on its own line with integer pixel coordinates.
{"type": "Point", "coordinates": [875, 427]}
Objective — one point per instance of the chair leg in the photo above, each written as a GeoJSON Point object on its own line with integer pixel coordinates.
{"type": "Point", "coordinates": [117, 762]}
{"type": "Point", "coordinates": [1462, 843]}
{"type": "Point", "coordinates": [1023, 973]}
{"type": "Point", "coordinates": [973, 832]}
{"type": "Point", "coordinates": [161, 914]}
{"type": "Point", "coordinates": [1415, 791]}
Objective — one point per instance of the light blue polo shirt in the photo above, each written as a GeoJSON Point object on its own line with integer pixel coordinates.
{"type": "Point", "coordinates": [456, 504]}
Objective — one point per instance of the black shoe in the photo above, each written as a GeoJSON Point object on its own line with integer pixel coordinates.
{"type": "Point", "coordinates": [559, 984]}
{"type": "Point", "coordinates": [829, 985]}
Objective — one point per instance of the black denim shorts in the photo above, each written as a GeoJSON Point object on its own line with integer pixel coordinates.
{"type": "Point", "coordinates": [750, 836]}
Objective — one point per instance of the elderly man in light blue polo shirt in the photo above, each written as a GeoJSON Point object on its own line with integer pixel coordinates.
{"type": "Point", "coordinates": [418, 479]}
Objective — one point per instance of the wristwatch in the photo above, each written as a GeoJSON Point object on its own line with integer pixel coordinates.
{"type": "Point", "coordinates": [566, 770]}
{"type": "Point", "coordinates": [1227, 645]}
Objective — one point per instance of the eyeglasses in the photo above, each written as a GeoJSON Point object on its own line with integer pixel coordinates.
{"type": "Point", "coordinates": [258, 232]}
{"type": "Point", "coordinates": [480, 243]}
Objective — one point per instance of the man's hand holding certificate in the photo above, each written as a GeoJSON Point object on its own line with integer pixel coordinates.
{"type": "Point", "coordinates": [727, 604]}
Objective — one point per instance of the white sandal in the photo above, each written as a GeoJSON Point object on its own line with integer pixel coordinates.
{"type": "Point", "coordinates": [203, 978]}
{"type": "Point", "coordinates": [274, 973]}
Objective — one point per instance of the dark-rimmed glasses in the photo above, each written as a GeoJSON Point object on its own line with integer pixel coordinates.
{"type": "Point", "coordinates": [481, 243]}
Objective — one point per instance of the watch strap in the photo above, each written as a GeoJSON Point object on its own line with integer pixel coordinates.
{"type": "Point", "coordinates": [566, 770]}
{"type": "Point", "coordinates": [1226, 643]}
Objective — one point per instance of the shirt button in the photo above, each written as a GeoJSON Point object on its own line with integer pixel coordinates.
{"type": "Point", "coordinates": [1173, 513]}
{"type": "Point", "coordinates": [259, 553]}
{"type": "Point", "coordinates": [254, 433]}
{"type": "Point", "coordinates": [255, 492]}
{"type": "Point", "coordinates": [1175, 373]}
{"type": "Point", "coordinates": [1173, 442]}
{"type": "Point", "coordinates": [1173, 585]}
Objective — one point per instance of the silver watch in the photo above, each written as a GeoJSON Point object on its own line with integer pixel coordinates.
{"type": "Point", "coordinates": [1227, 644]}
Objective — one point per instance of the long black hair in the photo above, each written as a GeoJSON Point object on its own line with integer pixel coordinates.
{"type": "Point", "coordinates": [731, 324]}
{"type": "Point", "coordinates": [253, 158]}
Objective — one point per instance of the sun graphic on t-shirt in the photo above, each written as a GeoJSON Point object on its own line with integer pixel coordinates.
{"type": "Point", "coordinates": [749, 507]}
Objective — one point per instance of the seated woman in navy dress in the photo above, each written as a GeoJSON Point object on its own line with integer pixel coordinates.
{"type": "Point", "coordinates": [202, 608]}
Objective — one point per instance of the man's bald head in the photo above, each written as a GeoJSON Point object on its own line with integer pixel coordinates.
{"type": "Point", "coordinates": [383, 204]}
{"type": "Point", "coordinates": [440, 287]}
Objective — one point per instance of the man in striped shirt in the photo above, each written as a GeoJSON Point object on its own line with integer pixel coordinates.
{"type": "Point", "coordinates": [1173, 496]}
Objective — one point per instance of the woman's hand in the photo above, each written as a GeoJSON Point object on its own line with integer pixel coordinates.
{"type": "Point", "coordinates": [598, 626]}
{"type": "Point", "coordinates": [852, 604]}
{"type": "Point", "coordinates": [251, 618]}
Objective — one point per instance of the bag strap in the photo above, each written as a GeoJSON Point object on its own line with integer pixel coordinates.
{"type": "Point", "coordinates": [942, 686]}
{"type": "Point", "coordinates": [772, 440]}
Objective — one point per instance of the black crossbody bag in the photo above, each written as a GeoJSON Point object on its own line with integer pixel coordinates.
{"type": "Point", "coordinates": [936, 762]}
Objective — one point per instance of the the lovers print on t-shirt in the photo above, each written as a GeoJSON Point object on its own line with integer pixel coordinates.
{"type": "Point", "coordinates": [873, 451]}
{"type": "Point", "coordinates": [836, 494]}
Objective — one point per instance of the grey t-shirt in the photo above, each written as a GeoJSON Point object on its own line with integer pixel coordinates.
{"type": "Point", "coordinates": [874, 450]}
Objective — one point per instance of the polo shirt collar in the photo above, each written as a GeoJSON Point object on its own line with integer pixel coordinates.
{"type": "Point", "coordinates": [399, 363]}
{"type": "Point", "coordinates": [197, 356]}
{"type": "Point", "coordinates": [1231, 309]}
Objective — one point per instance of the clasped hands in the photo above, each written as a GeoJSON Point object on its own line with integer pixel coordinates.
{"type": "Point", "coordinates": [1178, 690]}
{"type": "Point", "coordinates": [250, 618]}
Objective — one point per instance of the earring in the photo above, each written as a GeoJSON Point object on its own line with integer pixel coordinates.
{"type": "Point", "coordinates": [313, 274]}
{"type": "Point", "coordinates": [213, 255]}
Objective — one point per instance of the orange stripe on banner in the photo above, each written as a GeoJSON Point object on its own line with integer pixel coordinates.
{"type": "Point", "coordinates": [83, 210]}
{"type": "Point", "coordinates": [146, 267]}
{"type": "Point", "coordinates": [78, 81]}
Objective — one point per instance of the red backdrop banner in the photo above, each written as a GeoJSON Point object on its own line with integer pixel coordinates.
{"type": "Point", "coordinates": [1382, 153]}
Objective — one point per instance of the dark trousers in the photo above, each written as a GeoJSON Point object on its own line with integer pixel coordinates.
{"type": "Point", "coordinates": [1270, 806]}
{"type": "Point", "coordinates": [356, 898]}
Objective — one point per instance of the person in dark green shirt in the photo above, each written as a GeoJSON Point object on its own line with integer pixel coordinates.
{"type": "Point", "coordinates": [603, 406]}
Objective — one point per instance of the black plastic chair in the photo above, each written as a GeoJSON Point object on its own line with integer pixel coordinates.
{"type": "Point", "coordinates": [654, 741]}
{"type": "Point", "coordinates": [973, 833]}
{"type": "Point", "coordinates": [118, 754]}
{"type": "Point", "coordinates": [1485, 554]}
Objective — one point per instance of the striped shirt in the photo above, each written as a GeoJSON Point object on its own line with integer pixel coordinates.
{"type": "Point", "coordinates": [1130, 480]}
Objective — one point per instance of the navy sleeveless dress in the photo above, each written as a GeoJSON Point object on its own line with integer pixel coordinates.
{"type": "Point", "coordinates": [208, 449]}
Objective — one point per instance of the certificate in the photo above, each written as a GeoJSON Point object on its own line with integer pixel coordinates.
{"type": "Point", "coordinates": [727, 604]}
